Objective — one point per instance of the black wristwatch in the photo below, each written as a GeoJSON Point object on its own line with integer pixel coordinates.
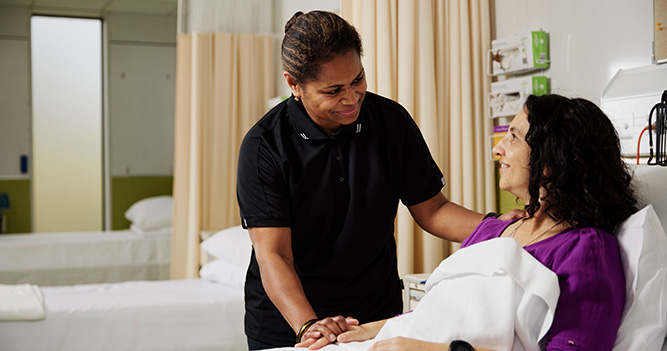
{"type": "Point", "coordinates": [460, 345]}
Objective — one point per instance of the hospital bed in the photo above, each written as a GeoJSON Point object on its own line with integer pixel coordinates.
{"type": "Point", "coordinates": [189, 314]}
{"type": "Point", "coordinates": [142, 252]}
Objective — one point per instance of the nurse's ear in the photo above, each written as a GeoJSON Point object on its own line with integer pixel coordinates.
{"type": "Point", "coordinates": [293, 84]}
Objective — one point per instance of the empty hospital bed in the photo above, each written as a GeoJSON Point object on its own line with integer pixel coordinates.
{"type": "Point", "coordinates": [189, 314]}
{"type": "Point", "coordinates": [142, 252]}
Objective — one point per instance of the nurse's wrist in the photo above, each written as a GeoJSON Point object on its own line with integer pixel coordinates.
{"type": "Point", "coordinates": [304, 328]}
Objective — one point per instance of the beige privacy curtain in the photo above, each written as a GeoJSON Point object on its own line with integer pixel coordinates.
{"type": "Point", "coordinates": [224, 81]}
{"type": "Point", "coordinates": [429, 55]}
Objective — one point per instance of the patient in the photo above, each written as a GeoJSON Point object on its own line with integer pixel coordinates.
{"type": "Point", "coordinates": [562, 157]}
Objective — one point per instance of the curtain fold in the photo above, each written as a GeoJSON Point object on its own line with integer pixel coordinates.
{"type": "Point", "coordinates": [223, 84]}
{"type": "Point", "coordinates": [429, 56]}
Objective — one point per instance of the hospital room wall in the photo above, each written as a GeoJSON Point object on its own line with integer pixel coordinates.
{"type": "Point", "coordinates": [589, 42]}
{"type": "Point", "coordinates": [141, 65]}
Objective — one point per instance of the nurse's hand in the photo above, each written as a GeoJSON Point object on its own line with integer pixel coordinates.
{"type": "Point", "coordinates": [325, 331]}
{"type": "Point", "coordinates": [512, 214]}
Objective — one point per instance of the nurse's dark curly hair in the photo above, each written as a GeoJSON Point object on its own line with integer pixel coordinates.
{"type": "Point", "coordinates": [315, 38]}
{"type": "Point", "coordinates": [576, 157]}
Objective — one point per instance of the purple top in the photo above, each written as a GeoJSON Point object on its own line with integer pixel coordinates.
{"type": "Point", "coordinates": [592, 284]}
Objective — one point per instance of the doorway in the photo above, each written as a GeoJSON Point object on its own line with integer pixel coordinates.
{"type": "Point", "coordinates": [67, 124]}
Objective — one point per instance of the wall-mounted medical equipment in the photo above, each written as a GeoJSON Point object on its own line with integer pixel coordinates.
{"type": "Point", "coordinates": [519, 53]}
{"type": "Point", "coordinates": [628, 100]}
{"type": "Point", "coordinates": [657, 122]}
{"type": "Point", "coordinates": [507, 97]}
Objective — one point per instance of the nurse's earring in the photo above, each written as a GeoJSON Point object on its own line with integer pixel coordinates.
{"type": "Point", "coordinates": [296, 98]}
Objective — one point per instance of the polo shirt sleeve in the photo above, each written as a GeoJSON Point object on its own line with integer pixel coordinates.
{"type": "Point", "coordinates": [422, 178]}
{"type": "Point", "coordinates": [261, 190]}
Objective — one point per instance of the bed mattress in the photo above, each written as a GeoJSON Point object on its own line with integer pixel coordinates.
{"type": "Point", "coordinates": [191, 314]}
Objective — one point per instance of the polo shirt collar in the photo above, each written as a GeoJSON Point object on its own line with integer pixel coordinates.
{"type": "Point", "coordinates": [309, 130]}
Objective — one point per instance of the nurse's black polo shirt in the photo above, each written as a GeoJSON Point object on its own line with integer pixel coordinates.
{"type": "Point", "coordinates": [339, 195]}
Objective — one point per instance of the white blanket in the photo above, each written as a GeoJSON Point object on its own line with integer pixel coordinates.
{"type": "Point", "coordinates": [493, 294]}
{"type": "Point", "coordinates": [22, 302]}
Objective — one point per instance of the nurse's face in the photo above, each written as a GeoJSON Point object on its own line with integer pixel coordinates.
{"type": "Point", "coordinates": [334, 99]}
{"type": "Point", "coordinates": [514, 155]}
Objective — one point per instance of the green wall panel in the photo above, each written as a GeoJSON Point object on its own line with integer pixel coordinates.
{"type": "Point", "coordinates": [125, 191]}
{"type": "Point", "coordinates": [18, 216]}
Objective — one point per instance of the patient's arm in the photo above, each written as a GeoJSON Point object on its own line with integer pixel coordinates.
{"type": "Point", "coordinates": [406, 344]}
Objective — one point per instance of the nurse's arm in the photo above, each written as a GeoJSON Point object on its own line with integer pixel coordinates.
{"type": "Point", "coordinates": [273, 250]}
{"type": "Point", "coordinates": [445, 219]}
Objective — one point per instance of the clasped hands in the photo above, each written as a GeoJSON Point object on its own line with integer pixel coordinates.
{"type": "Point", "coordinates": [340, 329]}
{"type": "Point", "coordinates": [337, 329]}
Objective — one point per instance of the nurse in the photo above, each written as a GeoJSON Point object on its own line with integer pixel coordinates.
{"type": "Point", "coordinates": [320, 177]}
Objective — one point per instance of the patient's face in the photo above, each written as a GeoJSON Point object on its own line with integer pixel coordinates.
{"type": "Point", "coordinates": [514, 155]}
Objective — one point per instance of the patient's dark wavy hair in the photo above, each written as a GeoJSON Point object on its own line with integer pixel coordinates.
{"type": "Point", "coordinates": [576, 157]}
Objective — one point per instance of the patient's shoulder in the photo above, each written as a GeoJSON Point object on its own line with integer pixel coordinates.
{"type": "Point", "coordinates": [489, 228]}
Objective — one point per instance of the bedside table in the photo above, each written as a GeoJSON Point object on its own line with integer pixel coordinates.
{"type": "Point", "coordinates": [414, 289]}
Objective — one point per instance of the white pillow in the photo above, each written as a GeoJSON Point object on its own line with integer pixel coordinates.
{"type": "Point", "coordinates": [151, 213]}
{"type": "Point", "coordinates": [231, 245]}
{"type": "Point", "coordinates": [643, 247]}
{"type": "Point", "coordinates": [223, 272]}
{"type": "Point", "coordinates": [649, 182]}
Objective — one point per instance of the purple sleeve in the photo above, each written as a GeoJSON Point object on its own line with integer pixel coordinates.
{"type": "Point", "coordinates": [588, 314]}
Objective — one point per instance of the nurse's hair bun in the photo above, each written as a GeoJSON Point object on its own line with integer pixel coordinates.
{"type": "Point", "coordinates": [292, 20]}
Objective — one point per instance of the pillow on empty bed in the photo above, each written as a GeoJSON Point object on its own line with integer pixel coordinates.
{"type": "Point", "coordinates": [151, 213]}
{"type": "Point", "coordinates": [644, 256]}
{"type": "Point", "coordinates": [230, 245]}
{"type": "Point", "coordinates": [223, 272]}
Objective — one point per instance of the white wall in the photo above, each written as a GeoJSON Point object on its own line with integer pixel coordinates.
{"type": "Point", "coordinates": [141, 115]}
{"type": "Point", "coordinates": [590, 40]}
{"type": "Point", "coordinates": [142, 94]}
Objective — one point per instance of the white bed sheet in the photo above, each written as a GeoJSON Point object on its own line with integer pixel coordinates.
{"type": "Point", "coordinates": [84, 257]}
{"type": "Point", "coordinates": [191, 314]}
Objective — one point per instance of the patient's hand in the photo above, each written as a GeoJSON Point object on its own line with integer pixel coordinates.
{"type": "Point", "coordinates": [325, 331]}
{"type": "Point", "coordinates": [362, 332]}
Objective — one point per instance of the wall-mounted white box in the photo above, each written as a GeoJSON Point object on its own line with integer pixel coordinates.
{"type": "Point", "coordinates": [508, 96]}
{"type": "Point", "coordinates": [519, 53]}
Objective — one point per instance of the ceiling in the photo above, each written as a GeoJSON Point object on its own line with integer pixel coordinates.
{"type": "Point", "coordinates": [97, 7]}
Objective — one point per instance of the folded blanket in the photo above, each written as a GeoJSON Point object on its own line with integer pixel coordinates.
{"type": "Point", "coordinates": [22, 302]}
{"type": "Point", "coordinates": [493, 294]}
